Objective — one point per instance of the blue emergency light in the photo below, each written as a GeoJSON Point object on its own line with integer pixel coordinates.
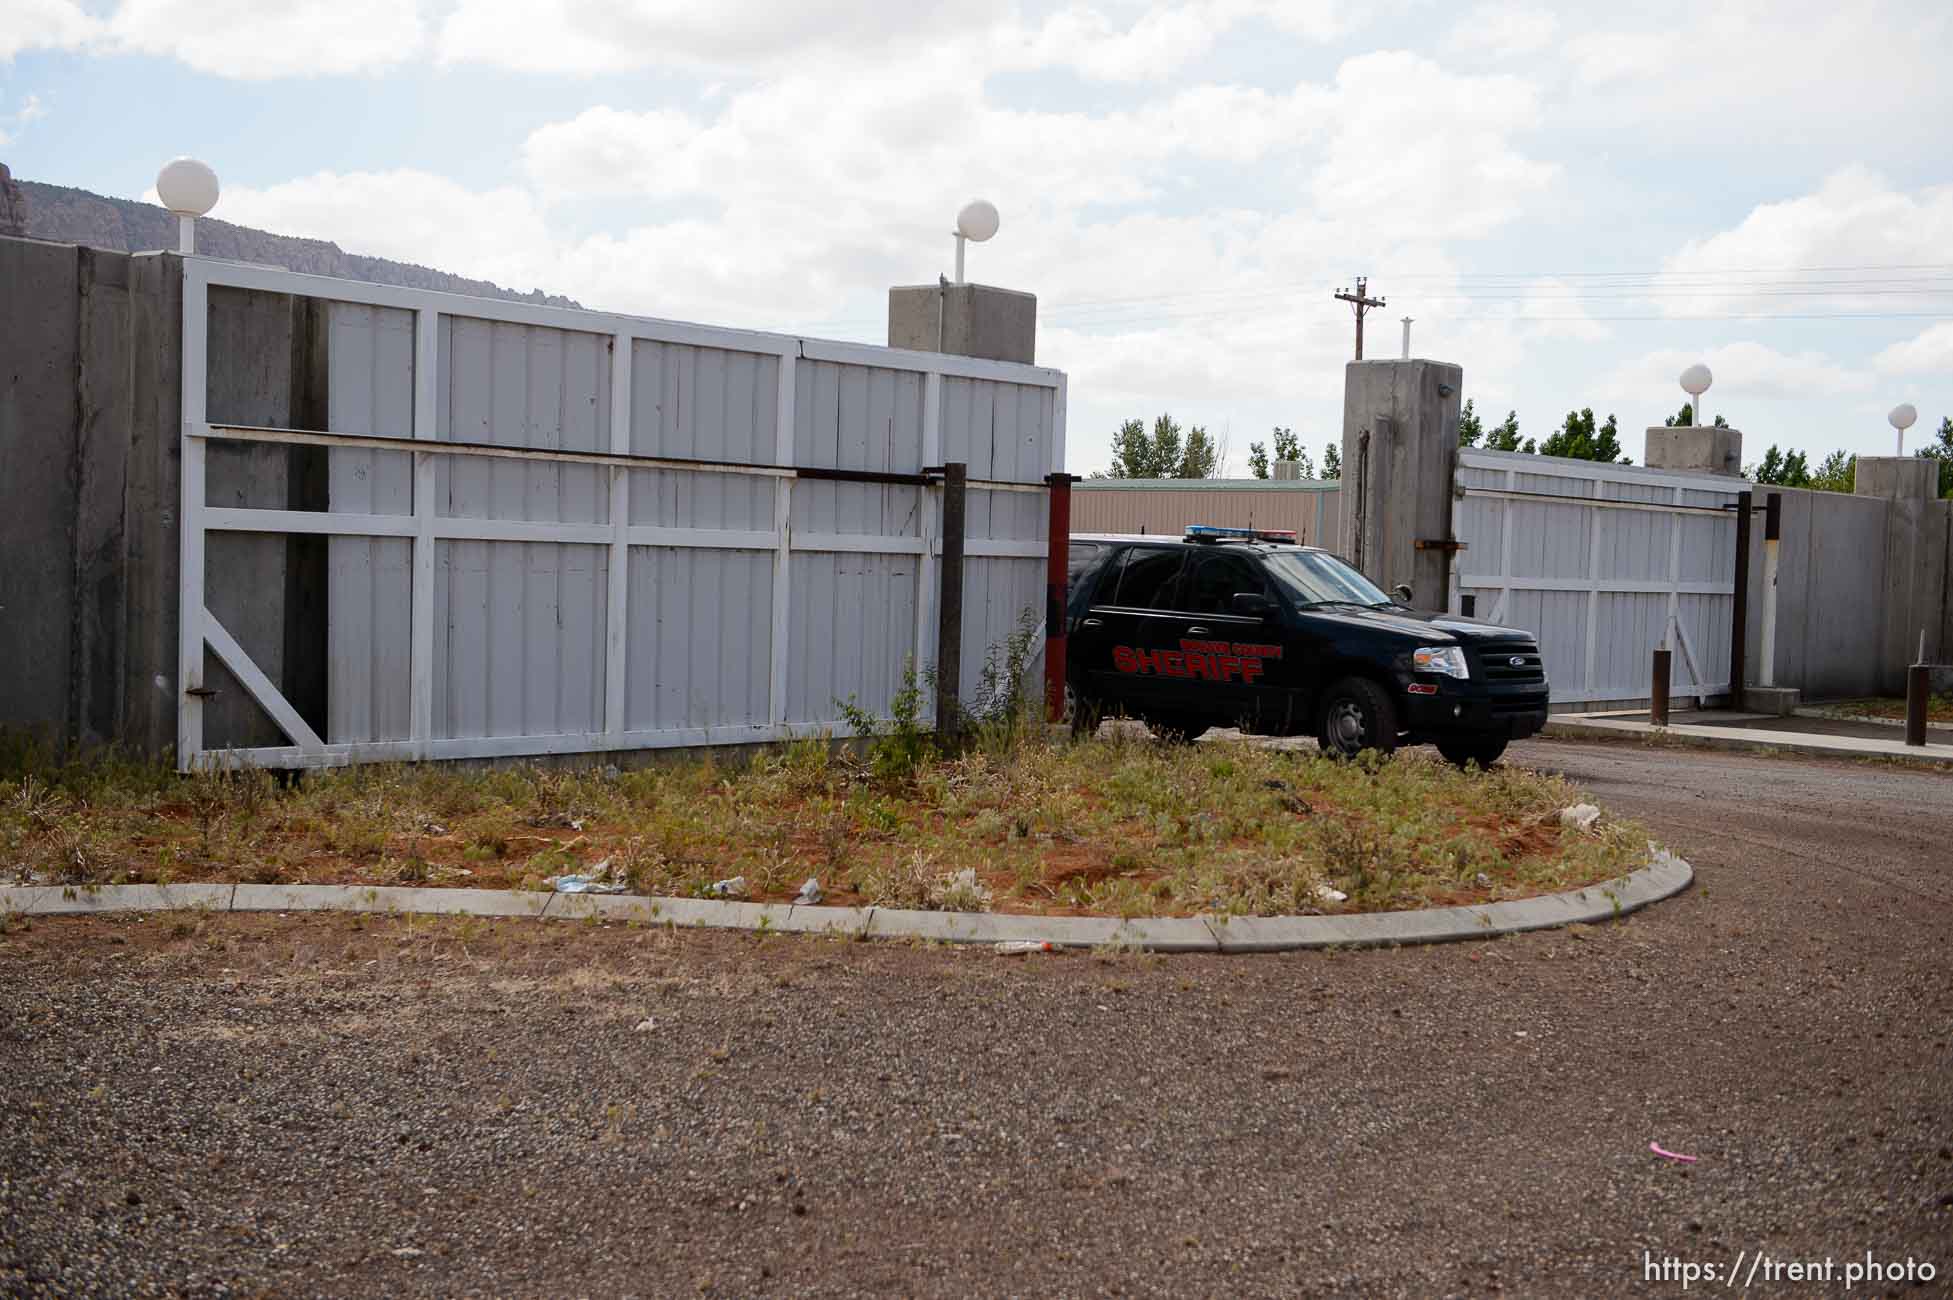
{"type": "Point", "coordinates": [1217, 533]}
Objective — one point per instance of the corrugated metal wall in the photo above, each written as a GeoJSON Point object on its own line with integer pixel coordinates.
{"type": "Point", "coordinates": [1599, 585]}
{"type": "Point", "coordinates": [1169, 505]}
{"type": "Point", "coordinates": [520, 625]}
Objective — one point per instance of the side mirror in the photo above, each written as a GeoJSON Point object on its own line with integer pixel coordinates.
{"type": "Point", "coordinates": [1402, 591]}
{"type": "Point", "coordinates": [1253, 603]}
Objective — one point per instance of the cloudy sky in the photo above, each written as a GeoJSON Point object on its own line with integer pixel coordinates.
{"type": "Point", "coordinates": [1573, 201]}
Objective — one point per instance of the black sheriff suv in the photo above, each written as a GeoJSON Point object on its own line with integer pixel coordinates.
{"type": "Point", "coordinates": [1234, 628]}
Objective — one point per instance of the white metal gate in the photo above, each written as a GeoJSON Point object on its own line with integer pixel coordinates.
{"type": "Point", "coordinates": [535, 549]}
{"type": "Point", "coordinates": [1604, 563]}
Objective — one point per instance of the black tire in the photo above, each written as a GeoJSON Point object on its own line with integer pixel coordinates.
{"type": "Point", "coordinates": [1174, 729]}
{"type": "Point", "coordinates": [1482, 750]}
{"type": "Point", "coordinates": [1357, 714]}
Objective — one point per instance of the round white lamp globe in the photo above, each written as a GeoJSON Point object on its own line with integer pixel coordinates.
{"type": "Point", "coordinates": [1902, 416]}
{"type": "Point", "coordinates": [187, 187]}
{"type": "Point", "coordinates": [978, 220]}
{"type": "Point", "coordinates": [1696, 380]}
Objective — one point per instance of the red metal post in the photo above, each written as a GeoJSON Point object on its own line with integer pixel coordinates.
{"type": "Point", "coordinates": [1058, 555]}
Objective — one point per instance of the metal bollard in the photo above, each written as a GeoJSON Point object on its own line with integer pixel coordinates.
{"type": "Point", "coordinates": [1916, 679]}
{"type": "Point", "coordinates": [1658, 689]}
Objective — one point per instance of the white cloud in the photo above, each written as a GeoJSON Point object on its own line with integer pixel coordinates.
{"type": "Point", "coordinates": [262, 39]}
{"type": "Point", "coordinates": [1745, 373]}
{"type": "Point", "coordinates": [30, 110]}
{"type": "Point", "coordinates": [1855, 244]}
{"type": "Point", "coordinates": [43, 24]}
{"type": "Point", "coordinates": [1749, 75]}
{"type": "Point", "coordinates": [586, 36]}
{"type": "Point", "coordinates": [411, 216]}
{"type": "Point", "coordinates": [1503, 31]}
{"type": "Point", "coordinates": [1928, 353]}
{"type": "Point", "coordinates": [244, 39]}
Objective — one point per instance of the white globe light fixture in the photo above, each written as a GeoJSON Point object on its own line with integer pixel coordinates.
{"type": "Point", "coordinates": [188, 188]}
{"type": "Point", "coordinates": [1695, 382]}
{"type": "Point", "coordinates": [1901, 417]}
{"type": "Point", "coordinates": [977, 221]}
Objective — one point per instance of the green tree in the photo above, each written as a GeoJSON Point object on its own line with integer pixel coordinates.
{"type": "Point", "coordinates": [1504, 436]}
{"type": "Point", "coordinates": [1332, 461]}
{"type": "Point", "coordinates": [1199, 458]}
{"type": "Point", "coordinates": [1581, 440]}
{"type": "Point", "coordinates": [1287, 447]}
{"type": "Point", "coordinates": [1838, 472]}
{"type": "Point", "coordinates": [1941, 450]}
{"type": "Point", "coordinates": [1781, 469]}
{"type": "Point", "coordinates": [1167, 451]}
{"type": "Point", "coordinates": [1470, 427]}
{"type": "Point", "coordinates": [1685, 418]}
{"type": "Point", "coordinates": [1258, 460]}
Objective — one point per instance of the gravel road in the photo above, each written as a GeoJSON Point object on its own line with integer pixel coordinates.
{"type": "Point", "coordinates": [245, 1105]}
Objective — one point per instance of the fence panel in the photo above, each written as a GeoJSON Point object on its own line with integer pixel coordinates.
{"type": "Point", "coordinates": [1603, 563]}
{"type": "Point", "coordinates": [555, 531]}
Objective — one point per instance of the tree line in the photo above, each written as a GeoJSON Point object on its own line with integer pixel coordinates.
{"type": "Point", "coordinates": [1166, 450]}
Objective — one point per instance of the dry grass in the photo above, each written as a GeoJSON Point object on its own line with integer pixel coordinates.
{"type": "Point", "coordinates": [1113, 826]}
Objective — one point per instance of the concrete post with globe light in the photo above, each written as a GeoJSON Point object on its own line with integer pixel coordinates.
{"type": "Point", "coordinates": [1699, 447]}
{"type": "Point", "coordinates": [969, 320]}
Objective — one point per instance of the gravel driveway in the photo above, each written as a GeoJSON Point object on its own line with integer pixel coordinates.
{"type": "Point", "coordinates": [313, 1105]}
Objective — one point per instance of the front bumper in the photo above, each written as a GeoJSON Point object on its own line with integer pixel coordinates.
{"type": "Point", "coordinates": [1472, 708]}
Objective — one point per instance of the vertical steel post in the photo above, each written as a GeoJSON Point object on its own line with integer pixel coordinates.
{"type": "Point", "coordinates": [1740, 616]}
{"type": "Point", "coordinates": [1658, 688]}
{"type": "Point", "coordinates": [1056, 575]}
{"type": "Point", "coordinates": [1772, 531]}
{"type": "Point", "coordinates": [1916, 679]}
{"type": "Point", "coordinates": [949, 602]}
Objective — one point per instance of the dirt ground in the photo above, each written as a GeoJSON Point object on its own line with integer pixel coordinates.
{"type": "Point", "coordinates": [323, 1106]}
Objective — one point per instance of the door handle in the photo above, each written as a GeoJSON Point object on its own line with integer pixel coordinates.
{"type": "Point", "coordinates": [1092, 622]}
{"type": "Point", "coordinates": [1199, 631]}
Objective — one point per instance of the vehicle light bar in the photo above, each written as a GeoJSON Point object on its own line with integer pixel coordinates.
{"type": "Point", "coordinates": [1217, 533]}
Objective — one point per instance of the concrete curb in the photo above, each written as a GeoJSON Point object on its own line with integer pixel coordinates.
{"type": "Point", "coordinates": [1665, 875]}
{"type": "Point", "coordinates": [1575, 726]}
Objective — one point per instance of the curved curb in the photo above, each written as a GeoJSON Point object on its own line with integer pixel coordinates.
{"type": "Point", "coordinates": [1665, 875]}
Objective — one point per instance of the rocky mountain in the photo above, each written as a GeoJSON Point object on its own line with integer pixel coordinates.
{"type": "Point", "coordinates": [71, 216]}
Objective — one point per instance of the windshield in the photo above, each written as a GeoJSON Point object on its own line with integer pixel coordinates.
{"type": "Point", "coordinates": [1311, 577]}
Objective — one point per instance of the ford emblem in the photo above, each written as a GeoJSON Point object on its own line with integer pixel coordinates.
{"type": "Point", "coordinates": [1517, 661]}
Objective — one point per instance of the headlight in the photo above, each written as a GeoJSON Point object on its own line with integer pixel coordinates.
{"type": "Point", "coordinates": [1448, 660]}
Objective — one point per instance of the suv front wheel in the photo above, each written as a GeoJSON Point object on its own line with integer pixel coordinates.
{"type": "Point", "coordinates": [1357, 714]}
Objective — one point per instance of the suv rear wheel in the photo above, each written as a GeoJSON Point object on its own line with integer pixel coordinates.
{"type": "Point", "coordinates": [1482, 750]}
{"type": "Point", "coordinates": [1357, 714]}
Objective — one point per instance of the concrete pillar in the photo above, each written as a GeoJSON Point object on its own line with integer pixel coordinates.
{"type": "Point", "coordinates": [969, 320]}
{"type": "Point", "coordinates": [13, 206]}
{"type": "Point", "coordinates": [38, 472]}
{"type": "Point", "coordinates": [1915, 589]}
{"type": "Point", "coordinates": [1698, 450]}
{"type": "Point", "coordinates": [1400, 451]}
{"type": "Point", "coordinates": [1898, 478]}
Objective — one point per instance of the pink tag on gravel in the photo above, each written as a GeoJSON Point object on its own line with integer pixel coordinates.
{"type": "Point", "coordinates": [1670, 1155]}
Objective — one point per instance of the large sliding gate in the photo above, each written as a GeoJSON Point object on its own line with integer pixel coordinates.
{"type": "Point", "coordinates": [1604, 563]}
{"type": "Point", "coordinates": [557, 531]}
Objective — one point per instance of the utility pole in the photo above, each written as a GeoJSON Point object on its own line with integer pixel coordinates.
{"type": "Point", "coordinates": [1361, 302]}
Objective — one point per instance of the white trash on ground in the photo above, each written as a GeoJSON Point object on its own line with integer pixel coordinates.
{"type": "Point", "coordinates": [1580, 816]}
{"type": "Point", "coordinates": [1018, 947]}
{"type": "Point", "coordinates": [810, 893]}
{"type": "Point", "coordinates": [1328, 895]}
{"type": "Point", "coordinates": [596, 880]}
{"type": "Point", "coordinates": [731, 887]}
{"type": "Point", "coordinates": [644, 1026]}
